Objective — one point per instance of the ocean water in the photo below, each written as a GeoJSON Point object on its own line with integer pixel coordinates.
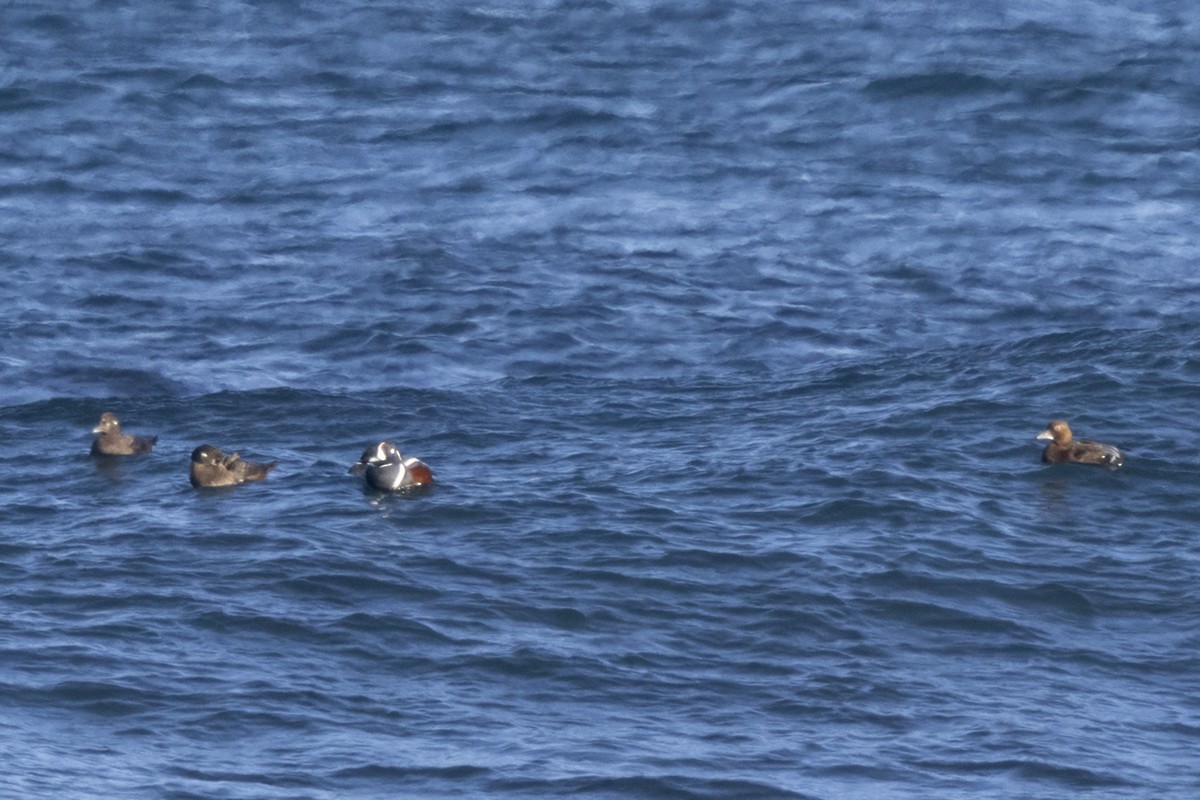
{"type": "Point", "coordinates": [726, 327]}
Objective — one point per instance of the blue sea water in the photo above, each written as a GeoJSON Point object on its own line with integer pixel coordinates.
{"type": "Point", "coordinates": [726, 327]}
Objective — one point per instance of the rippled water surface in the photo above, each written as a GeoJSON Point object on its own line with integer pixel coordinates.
{"type": "Point", "coordinates": [726, 328]}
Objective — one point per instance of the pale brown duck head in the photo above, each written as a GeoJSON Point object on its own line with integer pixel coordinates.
{"type": "Point", "coordinates": [1057, 431]}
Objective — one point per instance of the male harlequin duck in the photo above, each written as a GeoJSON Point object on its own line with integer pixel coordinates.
{"type": "Point", "coordinates": [110, 441]}
{"type": "Point", "coordinates": [383, 467]}
{"type": "Point", "coordinates": [211, 467]}
{"type": "Point", "coordinates": [1063, 448]}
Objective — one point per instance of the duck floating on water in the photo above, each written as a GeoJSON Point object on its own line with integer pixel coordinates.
{"type": "Point", "coordinates": [110, 441]}
{"type": "Point", "coordinates": [382, 467]}
{"type": "Point", "coordinates": [1064, 448]}
{"type": "Point", "coordinates": [211, 467]}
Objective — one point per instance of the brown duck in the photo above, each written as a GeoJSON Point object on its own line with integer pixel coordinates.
{"type": "Point", "coordinates": [110, 441]}
{"type": "Point", "coordinates": [1065, 448]}
{"type": "Point", "coordinates": [211, 467]}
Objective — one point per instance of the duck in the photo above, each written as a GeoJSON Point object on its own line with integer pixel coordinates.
{"type": "Point", "coordinates": [1064, 448]}
{"type": "Point", "coordinates": [211, 467]}
{"type": "Point", "coordinates": [383, 467]}
{"type": "Point", "coordinates": [110, 441]}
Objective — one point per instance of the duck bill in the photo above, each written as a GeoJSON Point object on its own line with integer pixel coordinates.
{"type": "Point", "coordinates": [1046, 434]}
{"type": "Point", "coordinates": [357, 469]}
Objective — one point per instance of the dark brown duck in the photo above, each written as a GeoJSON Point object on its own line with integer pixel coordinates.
{"type": "Point", "coordinates": [211, 467]}
{"type": "Point", "coordinates": [1064, 448]}
{"type": "Point", "coordinates": [110, 441]}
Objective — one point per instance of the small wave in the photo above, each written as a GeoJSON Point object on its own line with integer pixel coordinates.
{"type": "Point", "coordinates": [937, 84]}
